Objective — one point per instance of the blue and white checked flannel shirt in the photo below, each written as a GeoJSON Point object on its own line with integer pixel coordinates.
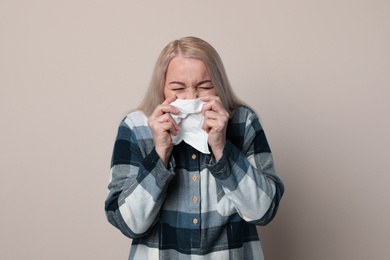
{"type": "Point", "coordinates": [198, 208]}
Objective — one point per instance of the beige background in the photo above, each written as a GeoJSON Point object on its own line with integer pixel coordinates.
{"type": "Point", "coordinates": [317, 72]}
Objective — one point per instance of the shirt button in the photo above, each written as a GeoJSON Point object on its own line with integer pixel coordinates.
{"type": "Point", "coordinates": [195, 199]}
{"type": "Point", "coordinates": [195, 221]}
{"type": "Point", "coordinates": [194, 178]}
{"type": "Point", "coordinates": [193, 156]}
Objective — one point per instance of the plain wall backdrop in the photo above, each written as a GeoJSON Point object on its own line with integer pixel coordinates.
{"type": "Point", "coordinates": [316, 72]}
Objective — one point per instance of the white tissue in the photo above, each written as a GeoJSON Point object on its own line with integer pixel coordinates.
{"type": "Point", "coordinates": [190, 119]}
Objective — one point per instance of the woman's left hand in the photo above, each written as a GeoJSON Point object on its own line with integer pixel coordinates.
{"type": "Point", "coordinates": [215, 123]}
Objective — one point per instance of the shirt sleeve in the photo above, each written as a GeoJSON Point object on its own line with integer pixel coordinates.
{"type": "Point", "coordinates": [138, 183]}
{"type": "Point", "coordinates": [246, 171]}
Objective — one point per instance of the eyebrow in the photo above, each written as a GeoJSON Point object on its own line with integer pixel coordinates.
{"type": "Point", "coordinates": [197, 84]}
{"type": "Point", "coordinates": [202, 82]}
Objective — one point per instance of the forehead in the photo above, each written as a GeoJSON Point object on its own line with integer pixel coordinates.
{"type": "Point", "coordinates": [181, 66]}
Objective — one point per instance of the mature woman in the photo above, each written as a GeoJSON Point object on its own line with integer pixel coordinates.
{"type": "Point", "coordinates": [174, 201]}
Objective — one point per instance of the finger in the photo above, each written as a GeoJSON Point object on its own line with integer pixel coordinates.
{"type": "Point", "coordinates": [169, 100]}
{"type": "Point", "coordinates": [210, 97]}
{"type": "Point", "coordinates": [210, 114]}
{"type": "Point", "coordinates": [215, 106]}
{"type": "Point", "coordinates": [212, 106]}
{"type": "Point", "coordinates": [166, 109]}
{"type": "Point", "coordinates": [155, 122]}
{"type": "Point", "coordinates": [168, 118]}
{"type": "Point", "coordinates": [206, 127]}
{"type": "Point", "coordinates": [209, 119]}
{"type": "Point", "coordinates": [213, 126]}
{"type": "Point", "coordinates": [162, 109]}
{"type": "Point", "coordinates": [169, 127]}
{"type": "Point", "coordinates": [215, 120]}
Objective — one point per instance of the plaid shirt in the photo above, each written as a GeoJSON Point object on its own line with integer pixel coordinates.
{"type": "Point", "coordinates": [197, 208]}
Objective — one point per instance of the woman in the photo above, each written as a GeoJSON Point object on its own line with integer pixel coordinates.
{"type": "Point", "coordinates": [174, 201]}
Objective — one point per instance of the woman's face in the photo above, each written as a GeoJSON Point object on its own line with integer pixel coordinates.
{"type": "Point", "coordinates": [187, 78]}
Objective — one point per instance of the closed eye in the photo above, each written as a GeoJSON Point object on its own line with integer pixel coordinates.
{"type": "Point", "coordinates": [177, 85]}
{"type": "Point", "coordinates": [204, 85]}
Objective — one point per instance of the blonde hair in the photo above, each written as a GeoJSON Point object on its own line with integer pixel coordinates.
{"type": "Point", "coordinates": [189, 47]}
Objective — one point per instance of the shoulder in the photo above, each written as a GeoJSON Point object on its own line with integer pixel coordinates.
{"type": "Point", "coordinates": [133, 126]}
{"type": "Point", "coordinates": [243, 115]}
{"type": "Point", "coordinates": [245, 121]}
{"type": "Point", "coordinates": [243, 128]}
{"type": "Point", "coordinates": [135, 119]}
{"type": "Point", "coordinates": [137, 128]}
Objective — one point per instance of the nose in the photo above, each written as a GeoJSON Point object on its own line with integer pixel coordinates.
{"type": "Point", "coordinates": [192, 93]}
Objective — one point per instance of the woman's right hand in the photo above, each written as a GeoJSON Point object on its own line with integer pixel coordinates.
{"type": "Point", "coordinates": [162, 125]}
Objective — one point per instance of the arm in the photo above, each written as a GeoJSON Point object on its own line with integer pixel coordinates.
{"type": "Point", "coordinates": [246, 171]}
{"type": "Point", "coordinates": [138, 182]}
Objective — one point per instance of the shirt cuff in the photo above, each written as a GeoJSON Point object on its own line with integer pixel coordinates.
{"type": "Point", "coordinates": [153, 164]}
{"type": "Point", "coordinates": [218, 169]}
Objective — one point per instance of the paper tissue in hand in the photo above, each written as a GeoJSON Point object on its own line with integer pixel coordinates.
{"type": "Point", "coordinates": [190, 119]}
